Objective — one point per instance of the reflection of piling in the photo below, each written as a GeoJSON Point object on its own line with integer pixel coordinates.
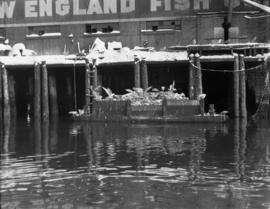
{"type": "Point", "coordinates": [145, 83]}
{"type": "Point", "coordinates": [45, 96]}
{"type": "Point", "coordinates": [243, 146]}
{"type": "Point", "coordinates": [242, 87]}
{"type": "Point", "coordinates": [236, 87]}
{"type": "Point", "coordinates": [37, 86]}
{"type": "Point", "coordinates": [137, 76]}
{"type": "Point", "coordinates": [53, 134]}
{"type": "Point", "coordinates": [191, 76]}
{"type": "Point", "coordinates": [37, 134]}
{"type": "Point", "coordinates": [45, 137]}
{"type": "Point", "coordinates": [5, 93]}
{"type": "Point", "coordinates": [240, 145]}
{"type": "Point", "coordinates": [53, 96]}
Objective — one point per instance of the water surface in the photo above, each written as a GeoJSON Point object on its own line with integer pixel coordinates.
{"type": "Point", "coordinates": [68, 165]}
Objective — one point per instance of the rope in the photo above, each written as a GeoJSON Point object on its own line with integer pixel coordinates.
{"type": "Point", "coordinates": [227, 71]}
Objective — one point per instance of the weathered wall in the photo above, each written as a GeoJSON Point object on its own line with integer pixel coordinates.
{"type": "Point", "coordinates": [198, 29]}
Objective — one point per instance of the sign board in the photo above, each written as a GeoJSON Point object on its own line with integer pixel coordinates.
{"type": "Point", "coordinates": [33, 12]}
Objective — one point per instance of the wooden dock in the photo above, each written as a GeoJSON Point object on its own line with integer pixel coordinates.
{"type": "Point", "coordinates": [44, 74]}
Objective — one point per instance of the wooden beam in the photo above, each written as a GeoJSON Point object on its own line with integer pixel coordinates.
{"type": "Point", "coordinates": [45, 93]}
{"type": "Point", "coordinates": [257, 5]}
{"type": "Point", "coordinates": [37, 87]}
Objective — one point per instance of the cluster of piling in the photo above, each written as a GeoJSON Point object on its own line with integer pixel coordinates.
{"type": "Point", "coordinates": [140, 73]}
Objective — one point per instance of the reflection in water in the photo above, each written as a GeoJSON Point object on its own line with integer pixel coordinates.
{"type": "Point", "coordinates": [83, 165]}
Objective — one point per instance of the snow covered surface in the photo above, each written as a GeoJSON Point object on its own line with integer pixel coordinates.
{"type": "Point", "coordinates": [34, 35]}
{"type": "Point", "coordinates": [50, 60]}
{"type": "Point", "coordinates": [115, 54]}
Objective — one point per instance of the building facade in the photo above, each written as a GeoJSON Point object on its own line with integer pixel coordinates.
{"type": "Point", "coordinates": [67, 26]}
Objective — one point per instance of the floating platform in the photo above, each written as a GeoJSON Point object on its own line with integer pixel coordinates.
{"type": "Point", "coordinates": [171, 111]}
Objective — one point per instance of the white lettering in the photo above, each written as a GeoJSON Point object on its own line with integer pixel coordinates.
{"type": "Point", "coordinates": [45, 8]}
{"type": "Point", "coordinates": [76, 8]}
{"type": "Point", "coordinates": [127, 6]}
{"type": "Point", "coordinates": [155, 4]}
{"type": "Point", "coordinates": [168, 5]}
{"type": "Point", "coordinates": [30, 8]}
{"type": "Point", "coordinates": [205, 4]}
{"type": "Point", "coordinates": [7, 9]}
{"type": "Point", "coordinates": [94, 7]}
{"type": "Point", "coordinates": [182, 4]}
{"type": "Point", "coordinates": [110, 6]}
{"type": "Point", "coordinates": [62, 7]}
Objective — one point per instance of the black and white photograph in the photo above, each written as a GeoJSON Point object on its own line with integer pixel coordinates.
{"type": "Point", "coordinates": [134, 104]}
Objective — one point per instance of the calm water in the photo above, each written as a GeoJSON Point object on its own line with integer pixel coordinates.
{"type": "Point", "coordinates": [72, 165]}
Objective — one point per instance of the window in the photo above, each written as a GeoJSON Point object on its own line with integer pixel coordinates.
{"type": "Point", "coordinates": [166, 25]}
{"type": "Point", "coordinates": [44, 31]}
{"type": "Point", "coordinates": [2, 33]}
{"type": "Point", "coordinates": [103, 28]}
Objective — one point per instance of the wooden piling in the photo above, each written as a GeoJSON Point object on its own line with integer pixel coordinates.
{"type": "Point", "coordinates": [95, 74]}
{"type": "Point", "coordinates": [242, 87]}
{"type": "Point", "coordinates": [12, 96]}
{"type": "Point", "coordinates": [191, 76]}
{"type": "Point", "coordinates": [37, 87]}
{"type": "Point", "coordinates": [53, 96]}
{"type": "Point", "coordinates": [30, 95]}
{"type": "Point", "coordinates": [69, 96]}
{"type": "Point", "coordinates": [87, 87]}
{"type": "Point", "coordinates": [137, 76]}
{"type": "Point", "coordinates": [145, 82]}
{"type": "Point", "coordinates": [236, 87]}
{"type": "Point", "coordinates": [1, 98]}
{"type": "Point", "coordinates": [5, 93]}
{"type": "Point", "coordinates": [198, 77]}
{"type": "Point", "coordinates": [45, 93]}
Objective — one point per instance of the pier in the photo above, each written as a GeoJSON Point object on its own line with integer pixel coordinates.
{"type": "Point", "coordinates": [41, 87]}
